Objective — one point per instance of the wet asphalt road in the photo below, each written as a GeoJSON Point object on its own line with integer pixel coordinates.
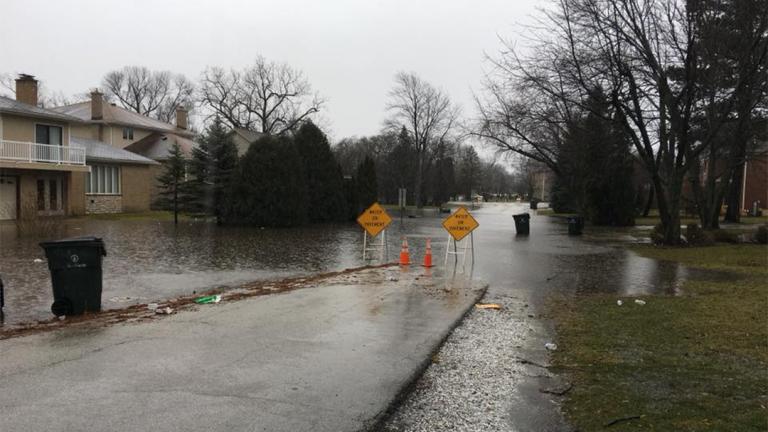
{"type": "Point", "coordinates": [325, 358]}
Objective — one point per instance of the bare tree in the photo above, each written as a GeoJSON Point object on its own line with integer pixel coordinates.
{"type": "Point", "coordinates": [156, 94]}
{"type": "Point", "coordinates": [643, 52]}
{"type": "Point", "coordinates": [427, 115]}
{"type": "Point", "coordinates": [266, 97]}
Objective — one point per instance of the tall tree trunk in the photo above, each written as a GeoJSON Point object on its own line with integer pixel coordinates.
{"type": "Point", "coordinates": [733, 198]}
{"type": "Point", "coordinates": [669, 208]}
{"type": "Point", "coordinates": [418, 181]}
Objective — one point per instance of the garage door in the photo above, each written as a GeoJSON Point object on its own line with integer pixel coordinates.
{"type": "Point", "coordinates": [7, 197]}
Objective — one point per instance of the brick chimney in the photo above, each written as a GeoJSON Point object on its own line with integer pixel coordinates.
{"type": "Point", "coordinates": [26, 89]}
{"type": "Point", "coordinates": [181, 117]}
{"type": "Point", "coordinates": [97, 105]}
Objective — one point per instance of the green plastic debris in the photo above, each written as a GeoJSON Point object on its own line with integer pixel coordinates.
{"type": "Point", "coordinates": [208, 299]}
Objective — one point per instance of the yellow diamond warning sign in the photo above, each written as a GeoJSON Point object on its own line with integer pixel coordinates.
{"type": "Point", "coordinates": [374, 219]}
{"type": "Point", "coordinates": [460, 224]}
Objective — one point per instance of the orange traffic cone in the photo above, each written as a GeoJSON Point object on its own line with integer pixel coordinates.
{"type": "Point", "coordinates": [428, 255]}
{"type": "Point", "coordinates": [405, 258]}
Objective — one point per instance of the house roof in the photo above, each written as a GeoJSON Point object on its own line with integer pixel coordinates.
{"type": "Point", "coordinates": [12, 106]}
{"type": "Point", "coordinates": [97, 151]}
{"type": "Point", "coordinates": [113, 114]}
{"type": "Point", "coordinates": [157, 146]}
{"type": "Point", "coordinates": [249, 135]}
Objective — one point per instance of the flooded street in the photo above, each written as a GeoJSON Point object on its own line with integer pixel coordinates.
{"type": "Point", "coordinates": [153, 260]}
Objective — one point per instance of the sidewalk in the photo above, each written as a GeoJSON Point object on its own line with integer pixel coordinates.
{"type": "Point", "coordinates": [330, 357]}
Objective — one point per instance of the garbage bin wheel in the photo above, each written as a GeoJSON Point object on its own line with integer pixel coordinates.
{"type": "Point", "coordinates": [61, 307]}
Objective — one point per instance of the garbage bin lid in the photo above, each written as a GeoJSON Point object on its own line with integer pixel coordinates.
{"type": "Point", "coordinates": [75, 241]}
{"type": "Point", "coordinates": [69, 241]}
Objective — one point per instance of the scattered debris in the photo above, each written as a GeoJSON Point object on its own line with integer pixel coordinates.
{"type": "Point", "coordinates": [392, 279]}
{"type": "Point", "coordinates": [620, 420]}
{"type": "Point", "coordinates": [640, 302]}
{"type": "Point", "coordinates": [37, 260]}
{"type": "Point", "coordinates": [153, 306]}
{"type": "Point", "coordinates": [488, 306]}
{"type": "Point", "coordinates": [619, 302]}
{"type": "Point", "coordinates": [550, 346]}
{"type": "Point", "coordinates": [122, 299]}
{"type": "Point", "coordinates": [208, 299]}
{"type": "Point", "coordinates": [164, 311]}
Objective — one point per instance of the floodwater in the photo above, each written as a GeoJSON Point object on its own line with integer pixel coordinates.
{"type": "Point", "coordinates": [149, 260]}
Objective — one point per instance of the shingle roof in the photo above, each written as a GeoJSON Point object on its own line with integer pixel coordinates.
{"type": "Point", "coordinates": [157, 146]}
{"type": "Point", "coordinates": [97, 151]}
{"type": "Point", "coordinates": [112, 114]}
{"type": "Point", "coordinates": [12, 106]}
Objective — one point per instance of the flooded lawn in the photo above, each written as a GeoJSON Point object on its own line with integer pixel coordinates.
{"type": "Point", "coordinates": [151, 260]}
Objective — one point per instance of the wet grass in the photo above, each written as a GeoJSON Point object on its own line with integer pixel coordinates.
{"type": "Point", "coordinates": [696, 362]}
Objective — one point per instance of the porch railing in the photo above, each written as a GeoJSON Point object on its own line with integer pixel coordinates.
{"type": "Point", "coordinates": [45, 153]}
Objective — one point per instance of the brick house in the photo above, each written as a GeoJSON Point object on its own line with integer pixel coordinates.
{"type": "Point", "coordinates": [50, 166]}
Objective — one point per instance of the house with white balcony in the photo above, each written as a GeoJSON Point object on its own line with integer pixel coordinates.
{"type": "Point", "coordinates": [45, 170]}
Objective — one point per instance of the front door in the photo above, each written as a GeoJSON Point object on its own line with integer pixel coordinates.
{"type": "Point", "coordinates": [50, 196]}
{"type": "Point", "coordinates": [8, 196]}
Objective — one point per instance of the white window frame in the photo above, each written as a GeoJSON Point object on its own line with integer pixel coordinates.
{"type": "Point", "coordinates": [96, 181]}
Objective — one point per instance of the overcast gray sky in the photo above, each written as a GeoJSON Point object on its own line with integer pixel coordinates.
{"type": "Point", "coordinates": [348, 49]}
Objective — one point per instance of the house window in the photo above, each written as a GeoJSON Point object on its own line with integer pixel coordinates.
{"type": "Point", "coordinates": [103, 180]}
{"type": "Point", "coordinates": [45, 134]}
{"type": "Point", "coordinates": [128, 133]}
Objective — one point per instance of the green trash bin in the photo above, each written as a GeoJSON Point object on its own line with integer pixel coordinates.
{"type": "Point", "coordinates": [522, 223]}
{"type": "Point", "coordinates": [75, 266]}
{"type": "Point", "coordinates": [575, 225]}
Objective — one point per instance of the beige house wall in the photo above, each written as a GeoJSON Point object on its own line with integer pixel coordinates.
{"type": "Point", "coordinates": [114, 136]}
{"type": "Point", "coordinates": [155, 171]}
{"type": "Point", "coordinates": [136, 187]}
{"type": "Point", "coordinates": [108, 134]}
{"type": "Point", "coordinates": [75, 189]}
{"type": "Point", "coordinates": [73, 198]}
{"type": "Point", "coordinates": [87, 131]}
{"type": "Point", "coordinates": [16, 128]}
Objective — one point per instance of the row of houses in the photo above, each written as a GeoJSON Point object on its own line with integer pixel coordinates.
{"type": "Point", "coordinates": [89, 157]}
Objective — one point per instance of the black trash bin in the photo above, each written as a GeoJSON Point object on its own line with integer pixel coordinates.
{"type": "Point", "coordinates": [534, 204]}
{"type": "Point", "coordinates": [575, 225]}
{"type": "Point", "coordinates": [522, 223]}
{"type": "Point", "coordinates": [75, 266]}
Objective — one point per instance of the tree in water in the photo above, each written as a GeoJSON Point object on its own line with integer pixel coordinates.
{"type": "Point", "coordinates": [173, 185]}
{"type": "Point", "coordinates": [470, 172]}
{"type": "Point", "coordinates": [594, 175]}
{"type": "Point", "coordinates": [213, 165]}
{"type": "Point", "coordinates": [268, 189]}
{"type": "Point", "coordinates": [366, 185]}
{"type": "Point", "coordinates": [322, 175]}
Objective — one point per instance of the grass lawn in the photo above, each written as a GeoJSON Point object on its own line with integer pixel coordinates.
{"type": "Point", "coordinates": [697, 362]}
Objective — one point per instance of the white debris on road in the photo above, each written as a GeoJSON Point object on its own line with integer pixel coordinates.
{"type": "Point", "coordinates": [468, 386]}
